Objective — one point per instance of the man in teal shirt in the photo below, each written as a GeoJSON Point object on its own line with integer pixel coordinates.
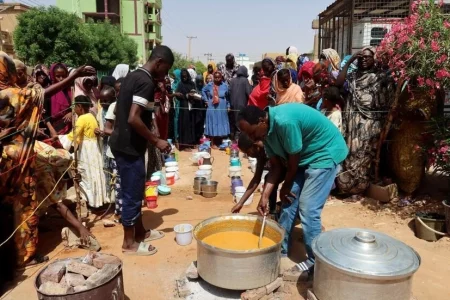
{"type": "Point", "coordinates": [311, 147]}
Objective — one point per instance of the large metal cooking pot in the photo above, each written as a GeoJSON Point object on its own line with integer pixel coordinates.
{"type": "Point", "coordinates": [238, 270]}
{"type": "Point", "coordinates": [354, 264]}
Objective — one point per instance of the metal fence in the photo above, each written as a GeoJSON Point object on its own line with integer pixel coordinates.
{"type": "Point", "coordinates": [349, 25]}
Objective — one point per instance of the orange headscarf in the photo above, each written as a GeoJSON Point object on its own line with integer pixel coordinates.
{"type": "Point", "coordinates": [293, 94]}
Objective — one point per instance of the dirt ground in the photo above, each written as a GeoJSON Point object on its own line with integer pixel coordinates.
{"type": "Point", "coordinates": [154, 277]}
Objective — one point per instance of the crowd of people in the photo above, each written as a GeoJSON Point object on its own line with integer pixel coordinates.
{"type": "Point", "coordinates": [119, 126]}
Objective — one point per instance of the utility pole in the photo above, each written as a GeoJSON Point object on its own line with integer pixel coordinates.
{"type": "Point", "coordinates": [189, 45]}
{"type": "Point", "coordinates": [106, 9]}
{"type": "Point", "coordinates": [208, 57]}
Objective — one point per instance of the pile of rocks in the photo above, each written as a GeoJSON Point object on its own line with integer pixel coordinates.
{"type": "Point", "coordinates": [79, 274]}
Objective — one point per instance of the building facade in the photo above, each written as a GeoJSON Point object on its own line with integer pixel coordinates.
{"type": "Point", "coordinates": [139, 19]}
{"type": "Point", "coordinates": [8, 23]}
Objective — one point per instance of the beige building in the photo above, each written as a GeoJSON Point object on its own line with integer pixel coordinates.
{"type": "Point", "coordinates": [8, 23]}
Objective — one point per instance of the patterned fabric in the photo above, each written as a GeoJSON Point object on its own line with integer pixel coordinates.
{"type": "Point", "coordinates": [23, 107]}
{"type": "Point", "coordinates": [117, 189]}
{"type": "Point", "coordinates": [333, 57]}
{"type": "Point", "coordinates": [51, 163]}
{"type": "Point", "coordinates": [228, 74]}
{"type": "Point", "coordinates": [369, 97]}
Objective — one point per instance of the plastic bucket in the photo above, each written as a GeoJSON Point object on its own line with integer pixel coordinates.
{"type": "Point", "coordinates": [183, 234]}
{"type": "Point", "coordinates": [429, 226]}
{"type": "Point", "coordinates": [151, 189]}
{"type": "Point", "coordinates": [238, 197]}
{"type": "Point", "coordinates": [156, 180]}
{"type": "Point", "coordinates": [170, 178]}
{"type": "Point", "coordinates": [446, 204]}
{"type": "Point", "coordinates": [152, 202]}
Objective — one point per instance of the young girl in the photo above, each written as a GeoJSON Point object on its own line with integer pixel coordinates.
{"type": "Point", "coordinates": [90, 161]}
{"type": "Point", "coordinates": [331, 106]}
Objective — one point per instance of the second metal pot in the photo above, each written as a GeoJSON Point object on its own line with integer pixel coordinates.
{"type": "Point", "coordinates": [354, 264]}
{"type": "Point", "coordinates": [209, 188]}
{"type": "Point", "coordinates": [198, 185]}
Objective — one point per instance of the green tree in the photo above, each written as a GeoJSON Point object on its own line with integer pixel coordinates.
{"type": "Point", "coordinates": [48, 35]}
{"type": "Point", "coordinates": [181, 62]}
{"type": "Point", "coordinates": [110, 46]}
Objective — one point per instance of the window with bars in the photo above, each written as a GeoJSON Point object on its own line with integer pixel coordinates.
{"type": "Point", "coordinates": [349, 25]}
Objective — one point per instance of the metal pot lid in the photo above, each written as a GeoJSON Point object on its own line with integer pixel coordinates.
{"type": "Point", "coordinates": [365, 253]}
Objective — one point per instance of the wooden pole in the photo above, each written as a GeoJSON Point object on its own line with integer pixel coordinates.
{"type": "Point", "coordinates": [384, 133]}
{"type": "Point", "coordinates": [76, 182]}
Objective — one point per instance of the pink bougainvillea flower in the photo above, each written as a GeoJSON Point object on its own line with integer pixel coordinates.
{"type": "Point", "coordinates": [446, 24]}
{"type": "Point", "coordinates": [436, 34]}
{"type": "Point", "coordinates": [435, 46]}
{"type": "Point", "coordinates": [444, 149]}
{"type": "Point", "coordinates": [421, 81]}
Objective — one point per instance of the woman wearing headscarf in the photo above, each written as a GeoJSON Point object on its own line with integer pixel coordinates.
{"type": "Point", "coordinates": [40, 75]}
{"type": "Point", "coordinates": [59, 114]}
{"type": "Point", "coordinates": [210, 70]}
{"type": "Point", "coordinates": [176, 106]}
{"type": "Point", "coordinates": [333, 57]}
{"type": "Point", "coordinates": [21, 111]}
{"type": "Point", "coordinates": [199, 111]}
{"type": "Point", "coordinates": [310, 79]}
{"type": "Point", "coordinates": [280, 60]}
{"type": "Point", "coordinates": [183, 93]}
{"type": "Point", "coordinates": [240, 90]}
{"type": "Point", "coordinates": [370, 93]}
{"type": "Point", "coordinates": [286, 90]}
{"type": "Point", "coordinates": [22, 76]}
{"type": "Point", "coordinates": [84, 87]}
{"type": "Point", "coordinates": [216, 97]}
{"type": "Point", "coordinates": [40, 165]}
{"type": "Point", "coordinates": [121, 71]}
{"type": "Point", "coordinates": [256, 74]}
{"type": "Point", "coordinates": [192, 73]}
{"type": "Point", "coordinates": [261, 93]}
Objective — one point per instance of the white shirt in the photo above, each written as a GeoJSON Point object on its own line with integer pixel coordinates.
{"type": "Point", "coordinates": [110, 116]}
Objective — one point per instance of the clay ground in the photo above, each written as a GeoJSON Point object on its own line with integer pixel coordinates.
{"type": "Point", "coordinates": [154, 277]}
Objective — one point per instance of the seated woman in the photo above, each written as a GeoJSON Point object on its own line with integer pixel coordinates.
{"type": "Point", "coordinates": [89, 153]}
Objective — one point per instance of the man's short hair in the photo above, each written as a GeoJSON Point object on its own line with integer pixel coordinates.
{"type": "Point", "coordinates": [162, 52]}
{"type": "Point", "coordinates": [251, 114]}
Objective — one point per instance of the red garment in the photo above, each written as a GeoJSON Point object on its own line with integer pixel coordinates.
{"type": "Point", "coordinates": [258, 97]}
{"type": "Point", "coordinates": [162, 121]}
{"type": "Point", "coordinates": [306, 68]}
{"type": "Point", "coordinates": [215, 99]}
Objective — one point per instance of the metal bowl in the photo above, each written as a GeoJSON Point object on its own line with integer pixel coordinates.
{"type": "Point", "coordinates": [238, 270]}
{"type": "Point", "coordinates": [209, 188]}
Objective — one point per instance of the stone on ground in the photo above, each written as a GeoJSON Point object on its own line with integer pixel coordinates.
{"type": "Point", "coordinates": [192, 272]}
{"type": "Point", "coordinates": [183, 288]}
{"type": "Point", "coordinates": [255, 294]}
{"type": "Point", "coordinates": [273, 286]}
